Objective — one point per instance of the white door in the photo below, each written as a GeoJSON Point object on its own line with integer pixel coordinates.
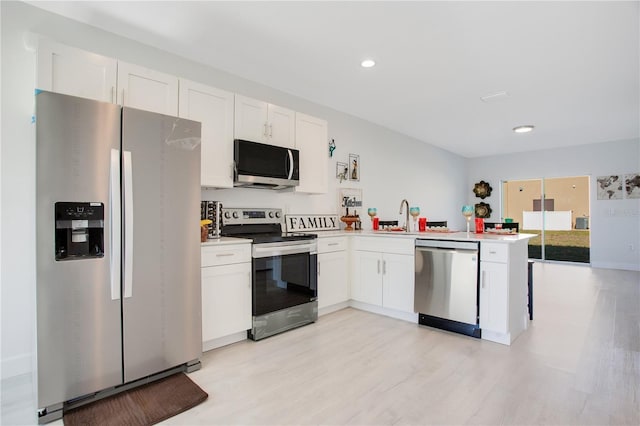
{"type": "Point", "coordinates": [332, 278]}
{"type": "Point", "coordinates": [312, 142]}
{"type": "Point", "coordinates": [214, 109]}
{"type": "Point", "coordinates": [146, 89]}
{"type": "Point", "coordinates": [494, 296]}
{"type": "Point", "coordinates": [250, 121]}
{"type": "Point", "coordinates": [71, 71]}
{"type": "Point", "coordinates": [226, 300]}
{"type": "Point", "coordinates": [282, 126]}
{"type": "Point", "coordinates": [367, 280]}
{"type": "Point", "coordinates": [398, 287]}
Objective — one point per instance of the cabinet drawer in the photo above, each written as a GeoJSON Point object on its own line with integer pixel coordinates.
{"type": "Point", "coordinates": [329, 244]}
{"type": "Point", "coordinates": [226, 254]}
{"type": "Point", "coordinates": [385, 245]}
{"type": "Point", "coordinates": [494, 252]}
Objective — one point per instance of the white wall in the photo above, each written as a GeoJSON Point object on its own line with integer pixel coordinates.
{"type": "Point", "coordinates": [393, 166]}
{"type": "Point", "coordinates": [615, 224]}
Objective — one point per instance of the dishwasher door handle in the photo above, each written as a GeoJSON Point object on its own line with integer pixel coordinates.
{"type": "Point", "coordinates": [445, 250]}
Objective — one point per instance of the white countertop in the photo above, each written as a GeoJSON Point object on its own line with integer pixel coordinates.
{"type": "Point", "coordinates": [225, 240]}
{"type": "Point", "coordinates": [458, 236]}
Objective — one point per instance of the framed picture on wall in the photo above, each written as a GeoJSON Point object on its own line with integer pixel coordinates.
{"type": "Point", "coordinates": [609, 187]}
{"type": "Point", "coordinates": [354, 167]}
{"type": "Point", "coordinates": [342, 171]}
{"type": "Point", "coordinates": [632, 185]}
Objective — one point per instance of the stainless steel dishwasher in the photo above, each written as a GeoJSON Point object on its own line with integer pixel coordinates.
{"type": "Point", "coordinates": [446, 285]}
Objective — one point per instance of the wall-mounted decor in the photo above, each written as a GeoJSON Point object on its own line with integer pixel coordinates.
{"type": "Point", "coordinates": [349, 201]}
{"type": "Point", "coordinates": [609, 187]}
{"type": "Point", "coordinates": [482, 189]}
{"type": "Point", "coordinates": [632, 185]}
{"type": "Point", "coordinates": [354, 167]}
{"type": "Point", "coordinates": [332, 147]}
{"type": "Point", "coordinates": [342, 171]}
{"type": "Point", "coordinates": [483, 210]}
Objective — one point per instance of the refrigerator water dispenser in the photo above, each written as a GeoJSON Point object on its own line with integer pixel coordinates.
{"type": "Point", "coordinates": [79, 230]}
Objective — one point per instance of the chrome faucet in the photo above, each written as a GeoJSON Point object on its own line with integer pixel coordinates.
{"type": "Point", "coordinates": [406, 223]}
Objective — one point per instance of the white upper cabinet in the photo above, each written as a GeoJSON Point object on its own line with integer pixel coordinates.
{"type": "Point", "coordinates": [75, 72]}
{"type": "Point", "coordinates": [214, 109]}
{"type": "Point", "coordinates": [282, 126]}
{"type": "Point", "coordinates": [147, 89]}
{"type": "Point", "coordinates": [259, 121]}
{"type": "Point", "coordinates": [312, 141]}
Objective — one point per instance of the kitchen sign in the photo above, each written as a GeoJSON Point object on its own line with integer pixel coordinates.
{"type": "Point", "coordinates": [311, 222]}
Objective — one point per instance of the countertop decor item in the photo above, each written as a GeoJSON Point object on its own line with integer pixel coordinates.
{"type": "Point", "coordinates": [467, 212]}
{"type": "Point", "coordinates": [482, 189]}
{"type": "Point", "coordinates": [483, 210]}
{"type": "Point", "coordinates": [349, 221]}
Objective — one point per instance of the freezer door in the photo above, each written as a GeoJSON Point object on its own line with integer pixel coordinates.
{"type": "Point", "coordinates": [162, 298]}
{"type": "Point", "coordinates": [78, 311]}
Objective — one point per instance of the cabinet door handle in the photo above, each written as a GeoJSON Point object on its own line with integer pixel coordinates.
{"type": "Point", "coordinates": [318, 268]}
{"type": "Point", "coordinates": [270, 130]}
{"type": "Point", "coordinates": [223, 254]}
{"type": "Point", "coordinates": [264, 133]}
{"type": "Point", "coordinates": [484, 278]}
{"type": "Point", "coordinates": [123, 97]}
{"type": "Point", "coordinates": [113, 95]}
{"type": "Point", "coordinates": [332, 244]}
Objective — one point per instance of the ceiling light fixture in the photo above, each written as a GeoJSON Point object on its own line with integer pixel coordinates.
{"type": "Point", "coordinates": [367, 63]}
{"type": "Point", "coordinates": [523, 129]}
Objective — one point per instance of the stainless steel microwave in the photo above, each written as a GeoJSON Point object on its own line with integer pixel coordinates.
{"type": "Point", "coordinates": [262, 165]}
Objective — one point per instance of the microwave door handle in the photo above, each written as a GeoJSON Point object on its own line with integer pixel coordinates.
{"type": "Point", "coordinates": [290, 175]}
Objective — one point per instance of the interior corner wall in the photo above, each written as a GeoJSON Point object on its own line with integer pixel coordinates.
{"type": "Point", "coordinates": [614, 224]}
{"type": "Point", "coordinates": [393, 166]}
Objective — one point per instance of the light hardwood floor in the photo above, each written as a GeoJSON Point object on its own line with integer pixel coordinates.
{"type": "Point", "coordinates": [578, 363]}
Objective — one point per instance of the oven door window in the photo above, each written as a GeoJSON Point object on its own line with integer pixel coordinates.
{"type": "Point", "coordinates": [281, 282]}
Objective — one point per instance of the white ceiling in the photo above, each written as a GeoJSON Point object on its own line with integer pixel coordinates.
{"type": "Point", "coordinates": [569, 68]}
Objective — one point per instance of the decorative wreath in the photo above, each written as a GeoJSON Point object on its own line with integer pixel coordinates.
{"type": "Point", "coordinates": [483, 210]}
{"type": "Point", "coordinates": [482, 189]}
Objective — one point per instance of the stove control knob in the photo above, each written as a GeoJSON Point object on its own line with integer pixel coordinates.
{"type": "Point", "coordinates": [278, 215]}
{"type": "Point", "coordinates": [271, 214]}
{"type": "Point", "coordinates": [227, 215]}
{"type": "Point", "coordinates": [235, 215]}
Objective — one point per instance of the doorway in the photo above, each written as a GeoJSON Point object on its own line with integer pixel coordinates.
{"type": "Point", "coordinates": [556, 210]}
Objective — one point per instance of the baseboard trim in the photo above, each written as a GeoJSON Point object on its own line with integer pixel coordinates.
{"type": "Point", "coordinates": [16, 366]}
{"type": "Point", "coordinates": [616, 265]}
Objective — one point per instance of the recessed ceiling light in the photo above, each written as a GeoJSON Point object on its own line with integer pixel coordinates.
{"type": "Point", "coordinates": [523, 129]}
{"type": "Point", "coordinates": [367, 63]}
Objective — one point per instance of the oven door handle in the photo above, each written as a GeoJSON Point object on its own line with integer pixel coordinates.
{"type": "Point", "coordinates": [267, 250]}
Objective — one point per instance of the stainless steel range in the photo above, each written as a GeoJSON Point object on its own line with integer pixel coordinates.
{"type": "Point", "coordinates": [284, 270]}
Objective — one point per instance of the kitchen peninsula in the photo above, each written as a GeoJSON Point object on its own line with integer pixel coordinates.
{"type": "Point", "coordinates": [374, 271]}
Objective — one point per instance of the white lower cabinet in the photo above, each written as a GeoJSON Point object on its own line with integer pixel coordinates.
{"type": "Point", "coordinates": [226, 294]}
{"type": "Point", "coordinates": [398, 283]}
{"type": "Point", "coordinates": [494, 297]}
{"type": "Point", "coordinates": [333, 283]}
{"type": "Point", "coordinates": [383, 272]}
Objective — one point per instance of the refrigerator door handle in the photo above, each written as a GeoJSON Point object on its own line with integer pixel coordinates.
{"type": "Point", "coordinates": [128, 224]}
{"type": "Point", "coordinates": [115, 224]}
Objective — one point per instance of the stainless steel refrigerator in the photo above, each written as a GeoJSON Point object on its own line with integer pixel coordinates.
{"type": "Point", "coordinates": [118, 248]}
